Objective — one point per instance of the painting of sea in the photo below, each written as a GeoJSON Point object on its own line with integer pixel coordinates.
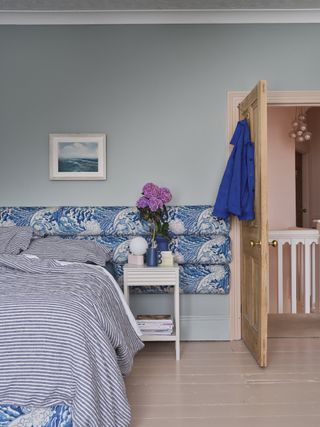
{"type": "Point", "coordinates": [78, 157]}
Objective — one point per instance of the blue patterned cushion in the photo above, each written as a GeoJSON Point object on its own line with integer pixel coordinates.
{"type": "Point", "coordinates": [201, 249]}
{"type": "Point", "coordinates": [187, 249]}
{"type": "Point", "coordinates": [200, 242]}
{"type": "Point", "coordinates": [120, 221]}
{"type": "Point", "coordinates": [205, 279]}
{"type": "Point", "coordinates": [196, 220]}
{"type": "Point", "coordinates": [22, 416]}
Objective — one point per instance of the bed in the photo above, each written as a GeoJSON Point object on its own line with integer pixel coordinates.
{"type": "Point", "coordinates": [201, 245]}
{"type": "Point", "coordinates": [67, 341]}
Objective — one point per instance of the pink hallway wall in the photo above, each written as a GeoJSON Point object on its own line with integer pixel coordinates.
{"type": "Point", "coordinates": [313, 150]}
{"type": "Point", "coordinates": [281, 168]}
{"type": "Point", "coordinates": [281, 191]}
{"type": "Point", "coordinates": [281, 179]}
{"type": "Point", "coordinates": [313, 120]}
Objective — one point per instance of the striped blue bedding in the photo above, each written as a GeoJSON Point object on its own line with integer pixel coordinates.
{"type": "Point", "coordinates": [66, 340]}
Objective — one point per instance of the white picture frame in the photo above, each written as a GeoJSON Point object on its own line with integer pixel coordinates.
{"type": "Point", "coordinates": [77, 156]}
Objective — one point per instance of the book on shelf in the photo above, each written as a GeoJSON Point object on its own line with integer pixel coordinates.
{"type": "Point", "coordinates": [156, 332]}
{"type": "Point", "coordinates": [156, 327]}
{"type": "Point", "coordinates": [155, 324]}
{"type": "Point", "coordinates": [154, 317]}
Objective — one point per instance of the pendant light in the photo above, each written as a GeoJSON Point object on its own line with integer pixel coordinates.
{"type": "Point", "coordinates": [299, 128]}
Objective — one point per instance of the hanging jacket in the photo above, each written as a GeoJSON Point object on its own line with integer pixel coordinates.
{"type": "Point", "coordinates": [236, 191]}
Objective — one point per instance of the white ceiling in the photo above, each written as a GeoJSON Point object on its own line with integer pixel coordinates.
{"type": "Point", "coordinates": [94, 12]}
{"type": "Point", "coordinates": [139, 5]}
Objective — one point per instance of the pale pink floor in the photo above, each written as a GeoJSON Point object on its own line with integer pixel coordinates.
{"type": "Point", "coordinates": [219, 384]}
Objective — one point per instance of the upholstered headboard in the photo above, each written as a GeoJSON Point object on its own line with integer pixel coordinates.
{"type": "Point", "coordinates": [200, 242]}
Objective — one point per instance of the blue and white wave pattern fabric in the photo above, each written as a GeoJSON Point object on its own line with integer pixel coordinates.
{"type": "Point", "coordinates": [22, 416]}
{"type": "Point", "coordinates": [187, 249]}
{"type": "Point", "coordinates": [199, 241]}
{"type": "Point", "coordinates": [114, 220]}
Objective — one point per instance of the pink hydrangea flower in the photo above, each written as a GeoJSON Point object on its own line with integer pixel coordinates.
{"type": "Point", "coordinates": [152, 208]}
{"type": "Point", "coordinates": [165, 194]}
{"type": "Point", "coordinates": [160, 204]}
{"type": "Point", "coordinates": [151, 190]}
{"type": "Point", "coordinates": [154, 204]}
{"type": "Point", "coordinates": [142, 203]}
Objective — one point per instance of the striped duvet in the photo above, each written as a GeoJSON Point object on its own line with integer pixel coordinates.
{"type": "Point", "coordinates": [64, 338]}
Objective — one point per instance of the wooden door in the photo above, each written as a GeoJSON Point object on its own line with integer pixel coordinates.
{"type": "Point", "coordinates": [254, 234]}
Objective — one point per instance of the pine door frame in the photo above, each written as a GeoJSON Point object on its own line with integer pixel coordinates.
{"type": "Point", "coordinates": [310, 98]}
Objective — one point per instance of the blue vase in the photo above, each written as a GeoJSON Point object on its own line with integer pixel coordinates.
{"type": "Point", "coordinates": [162, 243]}
{"type": "Point", "coordinates": [153, 257]}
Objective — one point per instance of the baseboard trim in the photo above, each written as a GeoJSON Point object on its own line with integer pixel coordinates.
{"type": "Point", "coordinates": [205, 328]}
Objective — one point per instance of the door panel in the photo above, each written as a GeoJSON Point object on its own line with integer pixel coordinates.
{"type": "Point", "coordinates": [254, 234]}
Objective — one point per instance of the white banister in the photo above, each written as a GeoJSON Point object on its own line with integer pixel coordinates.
{"type": "Point", "coordinates": [308, 238]}
{"type": "Point", "coordinates": [307, 277]}
{"type": "Point", "coordinates": [280, 278]}
{"type": "Point", "coordinates": [294, 277]}
{"type": "Point", "coordinates": [313, 277]}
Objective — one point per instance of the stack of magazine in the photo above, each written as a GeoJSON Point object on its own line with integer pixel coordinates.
{"type": "Point", "coordinates": [155, 324]}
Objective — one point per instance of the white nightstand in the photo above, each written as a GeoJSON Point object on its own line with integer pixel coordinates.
{"type": "Point", "coordinates": [156, 276]}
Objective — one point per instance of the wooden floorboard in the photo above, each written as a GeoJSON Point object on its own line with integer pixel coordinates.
{"type": "Point", "coordinates": [294, 325]}
{"type": "Point", "coordinates": [219, 384]}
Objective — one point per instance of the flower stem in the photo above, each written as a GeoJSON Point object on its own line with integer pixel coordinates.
{"type": "Point", "coordinates": [153, 234]}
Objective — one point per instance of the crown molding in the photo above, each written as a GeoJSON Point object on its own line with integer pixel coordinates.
{"type": "Point", "coordinates": [218, 16]}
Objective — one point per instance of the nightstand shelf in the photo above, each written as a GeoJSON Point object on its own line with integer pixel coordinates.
{"type": "Point", "coordinates": [156, 276]}
{"type": "Point", "coordinates": [171, 337]}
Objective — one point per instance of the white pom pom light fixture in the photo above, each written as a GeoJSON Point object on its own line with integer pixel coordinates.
{"type": "Point", "coordinates": [299, 128]}
{"type": "Point", "coordinates": [138, 246]}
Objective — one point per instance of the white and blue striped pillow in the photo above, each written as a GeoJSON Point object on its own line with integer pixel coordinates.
{"type": "Point", "coordinates": [14, 239]}
{"type": "Point", "coordinates": [55, 247]}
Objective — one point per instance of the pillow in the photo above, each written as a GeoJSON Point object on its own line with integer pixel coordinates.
{"type": "Point", "coordinates": [70, 250]}
{"type": "Point", "coordinates": [109, 267]}
{"type": "Point", "coordinates": [14, 239]}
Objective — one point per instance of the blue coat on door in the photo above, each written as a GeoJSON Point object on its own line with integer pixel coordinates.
{"type": "Point", "coordinates": [236, 191]}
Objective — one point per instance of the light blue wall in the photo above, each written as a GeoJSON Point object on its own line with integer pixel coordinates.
{"type": "Point", "coordinates": [159, 92]}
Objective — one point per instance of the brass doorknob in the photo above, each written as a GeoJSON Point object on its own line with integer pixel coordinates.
{"type": "Point", "coordinates": [253, 244]}
{"type": "Point", "coordinates": [274, 243]}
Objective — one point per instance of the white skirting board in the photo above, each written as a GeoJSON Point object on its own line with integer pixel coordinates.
{"type": "Point", "coordinates": [203, 317]}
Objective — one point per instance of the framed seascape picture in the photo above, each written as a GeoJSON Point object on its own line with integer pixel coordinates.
{"type": "Point", "coordinates": [79, 156]}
